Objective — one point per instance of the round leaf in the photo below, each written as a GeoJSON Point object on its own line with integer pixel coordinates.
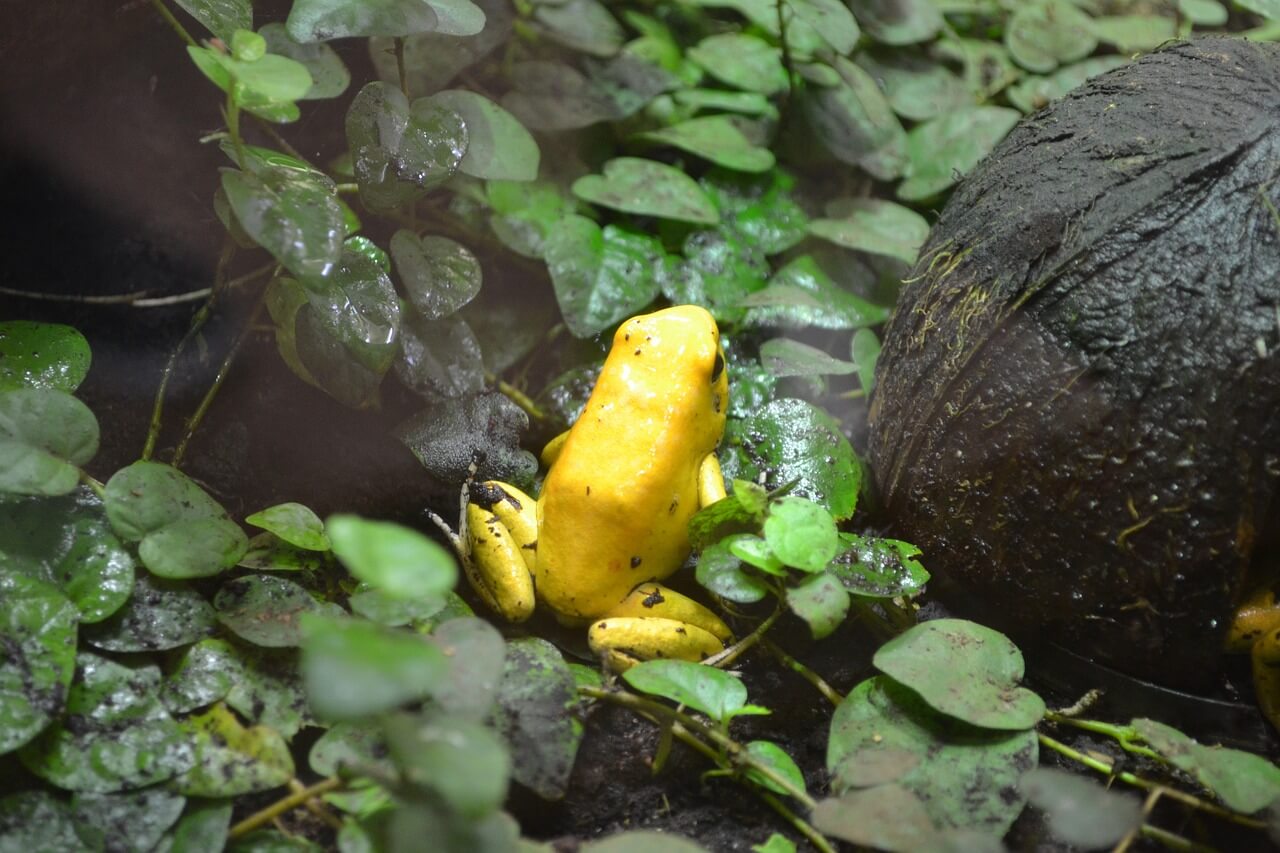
{"type": "Point", "coordinates": [879, 568]}
{"type": "Point", "coordinates": [854, 121]}
{"type": "Point", "coordinates": [401, 562]}
{"type": "Point", "coordinates": [204, 675]}
{"type": "Point", "coordinates": [1082, 813]}
{"type": "Point", "coordinates": [44, 435]}
{"type": "Point", "coordinates": [294, 215]}
{"type": "Point", "coordinates": [193, 548]}
{"type": "Point", "coordinates": [38, 633]}
{"type": "Point", "coordinates": [802, 294]}
{"type": "Point", "coordinates": [786, 357]}
{"type": "Point", "coordinates": [712, 691]}
{"type": "Point", "coordinates": [776, 759]}
{"type": "Point", "coordinates": [534, 702]}
{"type": "Point", "coordinates": [264, 609]}
{"type": "Point", "coordinates": [474, 652]}
{"type": "Point", "coordinates": [715, 138]}
{"type": "Point", "coordinates": [158, 615]}
{"type": "Point", "coordinates": [37, 820]}
{"type": "Point", "coordinates": [875, 226]}
{"type": "Point", "coordinates": [801, 533]}
{"type": "Point", "coordinates": [230, 759]}
{"type": "Point", "coordinates": [329, 76]}
{"type": "Point", "coordinates": [220, 17]}
{"type": "Point", "coordinates": [460, 759]}
{"type": "Point", "coordinates": [324, 20]}
{"type": "Point", "coordinates": [498, 146]}
{"type": "Point", "coordinates": [294, 523]}
{"type": "Point", "coordinates": [943, 149]}
{"type": "Point", "coordinates": [349, 745]}
{"type": "Point", "coordinates": [104, 820]}
{"type": "Point", "coordinates": [42, 355]}
{"type": "Point", "coordinates": [898, 22]}
{"type": "Point", "coordinates": [742, 61]}
{"type": "Point", "coordinates": [821, 601]}
{"type": "Point", "coordinates": [147, 496]}
{"type": "Point", "coordinates": [1245, 782]}
{"type": "Point", "coordinates": [440, 358]}
{"type": "Point", "coordinates": [1042, 35]}
{"type": "Point", "coordinates": [440, 275]}
{"type": "Point", "coordinates": [269, 553]}
{"type": "Point", "coordinates": [648, 188]}
{"type": "Point", "coordinates": [720, 571]}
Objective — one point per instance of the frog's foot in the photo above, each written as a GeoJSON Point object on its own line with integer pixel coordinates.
{"type": "Point", "coordinates": [502, 533]}
{"type": "Point", "coordinates": [1256, 629]}
{"type": "Point", "coordinates": [656, 622]}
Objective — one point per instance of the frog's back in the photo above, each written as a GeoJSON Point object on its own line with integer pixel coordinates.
{"type": "Point", "coordinates": [615, 506]}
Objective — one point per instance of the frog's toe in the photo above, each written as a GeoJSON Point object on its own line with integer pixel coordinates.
{"type": "Point", "coordinates": [624, 641]}
{"type": "Point", "coordinates": [1266, 674]}
{"type": "Point", "coordinates": [497, 569]}
{"type": "Point", "coordinates": [654, 601]}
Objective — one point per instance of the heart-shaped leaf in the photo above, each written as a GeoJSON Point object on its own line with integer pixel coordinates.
{"type": "Point", "coordinates": [294, 215]}
{"type": "Point", "coordinates": [440, 275]}
{"type": "Point", "coordinates": [42, 355]}
{"type": "Point", "coordinates": [498, 146]}
{"type": "Point", "coordinates": [649, 188]}
{"type": "Point", "coordinates": [44, 435]}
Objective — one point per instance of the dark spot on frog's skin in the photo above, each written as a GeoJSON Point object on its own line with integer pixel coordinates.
{"type": "Point", "coordinates": [627, 336]}
{"type": "Point", "coordinates": [681, 631]}
{"type": "Point", "coordinates": [485, 496]}
{"type": "Point", "coordinates": [635, 562]}
{"type": "Point", "coordinates": [648, 339]}
{"type": "Point", "coordinates": [604, 626]}
{"type": "Point", "coordinates": [675, 502]}
{"type": "Point", "coordinates": [588, 490]}
{"type": "Point", "coordinates": [637, 350]}
{"type": "Point", "coordinates": [717, 368]}
{"type": "Point", "coordinates": [719, 402]}
{"type": "Point", "coordinates": [532, 546]}
{"type": "Point", "coordinates": [653, 599]}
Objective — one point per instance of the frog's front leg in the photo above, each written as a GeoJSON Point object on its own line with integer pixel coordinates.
{"type": "Point", "coordinates": [502, 530]}
{"type": "Point", "coordinates": [1256, 629]}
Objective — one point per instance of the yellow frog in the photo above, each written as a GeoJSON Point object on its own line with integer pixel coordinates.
{"type": "Point", "coordinates": [613, 514]}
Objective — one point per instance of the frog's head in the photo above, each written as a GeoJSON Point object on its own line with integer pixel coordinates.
{"type": "Point", "coordinates": [679, 347]}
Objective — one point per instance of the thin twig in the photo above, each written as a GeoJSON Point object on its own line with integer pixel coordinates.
{"type": "Point", "coordinates": [724, 659]}
{"type": "Point", "coordinates": [174, 22]}
{"type": "Point", "coordinates": [515, 395]}
{"type": "Point", "coordinates": [283, 805]}
{"type": "Point", "coordinates": [316, 807]}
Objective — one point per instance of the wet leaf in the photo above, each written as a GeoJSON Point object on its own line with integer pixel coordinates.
{"type": "Point", "coordinates": [324, 20]}
{"type": "Point", "coordinates": [498, 146]}
{"type": "Point", "coordinates": [487, 427]}
{"type": "Point", "coordinates": [350, 746]}
{"type": "Point", "coordinates": [853, 120]}
{"type": "Point", "coordinates": [42, 355]}
{"type": "Point", "coordinates": [717, 139]}
{"type": "Point", "coordinates": [865, 351]}
{"type": "Point", "coordinates": [1244, 782]}
{"type": "Point", "coordinates": [875, 226]}
{"type": "Point", "coordinates": [534, 715]}
{"type": "Point", "coordinates": [755, 551]}
{"type": "Point", "coordinates": [582, 25]}
{"type": "Point", "coordinates": [400, 153]}
{"type": "Point", "coordinates": [268, 689]}
{"type": "Point", "coordinates": [787, 441]}
{"type": "Point", "coordinates": [776, 759]}
{"type": "Point", "coordinates": [159, 615]}
{"type": "Point", "coordinates": [736, 513]}
{"type": "Point", "coordinates": [966, 777]}
{"type": "Point", "coordinates": [268, 552]}
{"type": "Point", "coordinates": [118, 823]}
{"type": "Point", "coordinates": [760, 208]}
{"type": "Point", "coordinates": [473, 653]}
{"type": "Point", "coordinates": [647, 188]}
{"type": "Point", "coordinates": [183, 533]}
{"type": "Point", "coordinates": [526, 213]}
{"type": "Point", "coordinates": [395, 559]}
{"type": "Point", "coordinates": [964, 670]}
{"type": "Point", "coordinates": [459, 759]}
{"type": "Point", "coordinates": [720, 270]}
{"type": "Point", "coordinates": [38, 634]}
{"type": "Point", "coordinates": [293, 215]}
{"type": "Point", "coordinates": [116, 734]}
{"type": "Point", "coordinates": [786, 357]}
{"type": "Point", "coordinates": [440, 358]}
{"type": "Point", "coordinates": [802, 294]}
{"type": "Point", "coordinates": [265, 86]}
{"type": "Point", "coordinates": [37, 821]}
{"type": "Point", "coordinates": [440, 275]}
{"type": "Point", "coordinates": [941, 150]}
{"type": "Point", "coordinates": [220, 17]}
{"type": "Point", "coordinates": [742, 61]}
{"type": "Point", "coordinates": [44, 435]}
{"type": "Point", "coordinates": [352, 668]}
{"type": "Point", "coordinates": [720, 571]}
{"type": "Point", "coordinates": [879, 568]}
{"type": "Point", "coordinates": [329, 75]}
{"type": "Point", "coordinates": [357, 307]}
{"type": "Point", "coordinates": [1032, 93]}
{"type": "Point", "coordinates": [294, 523]}
{"type": "Point", "coordinates": [801, 533]}
{"type": "Point", "coordinates": [432, 60]}
{"type": "Point", "coordinates": [204, 675]}
{"type": "Point", "coordinates": [230, 759]}
{"type": "Point", "coordinates": [1081, 812]}
{"type": "Point", "coordinates": [711, 691]}
{"type": "Point", "coordinates": [1040, 36]}
{"type": "Point", "coordinates": [898, 22]}
{"type": "Point", "coordinates": [821, 601]}
{"type": "Point", "coordinates": [602, 276]}
{"type": "Point", "coordinates": [264, 609]}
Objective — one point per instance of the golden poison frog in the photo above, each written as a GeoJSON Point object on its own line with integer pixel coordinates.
{"type": "Point", "coordinates": [615, 505]}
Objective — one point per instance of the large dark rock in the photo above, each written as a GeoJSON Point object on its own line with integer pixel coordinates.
{"type": "Point", "coordinates": [1078, 411]}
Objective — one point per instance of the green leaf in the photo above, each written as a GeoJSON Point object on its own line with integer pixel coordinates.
{"type": "Point", "coordinates": [159, 615]}
{"type": "Point", "coordinates": [1207, 13]}
{"type": "Point", "coordinates": [555, 96]}
{"type": "Point", "coordinates": [875, 226]}
{"type": "Point", "coordinates": [232, 760]}
{"type": "Point", "coordinates": [104, 820]}
{"type": "Point", "coordinates": [720, 571]}
{"type": "Point", "coordinates": [376, 606]}
{"type": "Point", "coordinates": [294, 523]}
{"type": "Point", "coordinates": [203, 828]}
{"type": "Point", "coordinates": [116, 735]}
{"type": "Point", "coordinates": [943, 149]}
{"type": "Point", "coordinates": [349, 745]}
{"type": "Point", "coordinates": [42, 355]}
{"type": "Point", "coordinates": [879, 568]}
{"type": "Point", "coordinates": [356, 307]}
{"type": "Point", "coordinates": [917, 88]}
{"type": "Point", "coordinates": [755, 551]}
{"type": "Point", "coordinates": [268, 689]}
{"type": "Point", "coordinates": [293, 215]}
{"type": "Point", "coordinates": [247, 46]}
{"type": "Point", "coordinates": [602, 276]}
{"type": "Point", "coordinates": [966, 777]}
{"type": "Point", "coordinates": [1269, 9]}
{"type": "Point", "coordinates": [582, 25]}
{"type": "Point", "coordinates": [220, 17]}
{"type": "Point", "coordinates": [695, 101]}
{"type": "Point", "coordinates": [266, 86]}
{"type": "Point", "coordinates": [536, 698]}
{"type": "Point", "coordinates": [329, 75]}
{"type": "Point", "coordinates": [399, 561]}
{"type": "Point", "coordinates": [184, 533]}
{"type": "Point", "coordinates": [269, 553]}
{"type": "Point", "coordinates": [721, 268]}
{"type": "Point", "coordinates": [786, 357]}
{"type": "Point", "coordinates": [1040, 36]}
{"type": "Point", "coordinates": [742, 61]}
{"type": "Point", "coordinates": [802, 294]}
{"type": "Point", "coordinates": [324, 20]}
{"type": "Point", "coordinates": [400, 153]}
{"type": "Point", "coordinates": [487, 427]}
{"type": "Point", "coordinates": [790, 441]}
{"type": "Point", "coordinates": [1032, 93]}
{"type": "Point", "coordinates": [459, 759]}
{"type": "Point", "coordinates": [821, 601]}
{"type": "Point", "coordinates": [474, 652]}
{"type": "Point", "coordinates": [888, 817]}
{"type": "Point", "coordinates": [1082, 813]}
{"type": "Point", "coordinates": [38, 633]}
{"type": "Point", "coordinates": [643, 841]}
{"type": "Point", "coordinates": [898, 22]}
{"type": "Point", "coordinates": [776, 759]}
{"type": "Point", "coordinates": [526, 213]}
{"type": "Point", "coordinates": [37, 820]}
{"type": "Point", "coordinates": [440, 358]}
{"type": "Point", "coordinates": [830, 19]}
{"type": "Point", "coordinates": [498, 146]}
{"type": "Point", "coordinates": [264, 609]}
{"type": "Point", "coordinates": [735, 513]}
{"type": "Point", "coordinates": [715, 138]}
{"type": "Point", "coordinates": [432, 60]}
{"type": "Point", "coordinates": [759, 208]}
{"type": "Point", "coordinates": [204, 675]}
{"type": "Point", "coordinates": [854, 121]}
{"type": "Point", "coordinates": [964, 670]}
{"type": "Point", "coordinates": [440, 275]}
{"type": "Point", "coordinates": [801, 533]}
{"type": "Point", "coordinates": [44, 435]}
{"type": "Point", "coordinates": [648, 188]}
{"type": "Point", "coordinates": [712, 691]}
{"type": "Point", "coordinates": [776, 843]}
{"type": "Point", "coordinates": [1132, 33]}
{"type": "Point", "coordinates": [865, 351]}
{"type": "Point", "coordinates": [1245, 783]}
{"type": "Point", "coordinates": [354, 668]}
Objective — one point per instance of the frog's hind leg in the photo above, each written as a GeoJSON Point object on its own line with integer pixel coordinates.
{"type": "Point", "coordinates": [502, 531]}
{"type": "Point", "coordinates": [656, 622]}
{"type": "Point", "coordinates": [1256, 629]}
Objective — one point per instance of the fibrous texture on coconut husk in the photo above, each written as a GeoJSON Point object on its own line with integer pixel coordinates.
{"type": "Point", "coordinates": [1077, 415]}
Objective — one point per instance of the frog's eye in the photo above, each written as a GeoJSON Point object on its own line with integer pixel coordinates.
{"type": "Point", "coordinates": [717, 368]}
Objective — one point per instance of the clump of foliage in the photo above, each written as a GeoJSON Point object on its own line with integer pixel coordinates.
{"type": "Point", "coordinates": [772, 160]}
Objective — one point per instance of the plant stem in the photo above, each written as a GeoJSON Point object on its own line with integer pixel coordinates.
{"type": "Point", "coordinates": [282, 805]}
{"type": "Point", "coordinates": [95, 485]}
{"type": "Point", "coordinates": [316, 807]}
{"type": "Point", "coordinates": [515, 395]}
{"type": "Point", "coordinates": [802, 826]}
{"type": "Point", "coordinates": [400, 69]}
{"type": "Point", "coordinates": [174, 22]}
{"type": "Point", "coordinates": [1123, 735]}
{"type": "Point", "coordinates": [1108, 769]}
{"type": "Point", "coordinates": [807, 674]}
{"type": "Point", "coordinates": [1172, 841]}
{"type": "Point", "coordinates": [233, 124]}
{"type": "Point", "coordinates": [197, 323]}
{"type": "Point", "coordinates": [193, 423]}
{"type": "Point", "coordinates": [724, 659]}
